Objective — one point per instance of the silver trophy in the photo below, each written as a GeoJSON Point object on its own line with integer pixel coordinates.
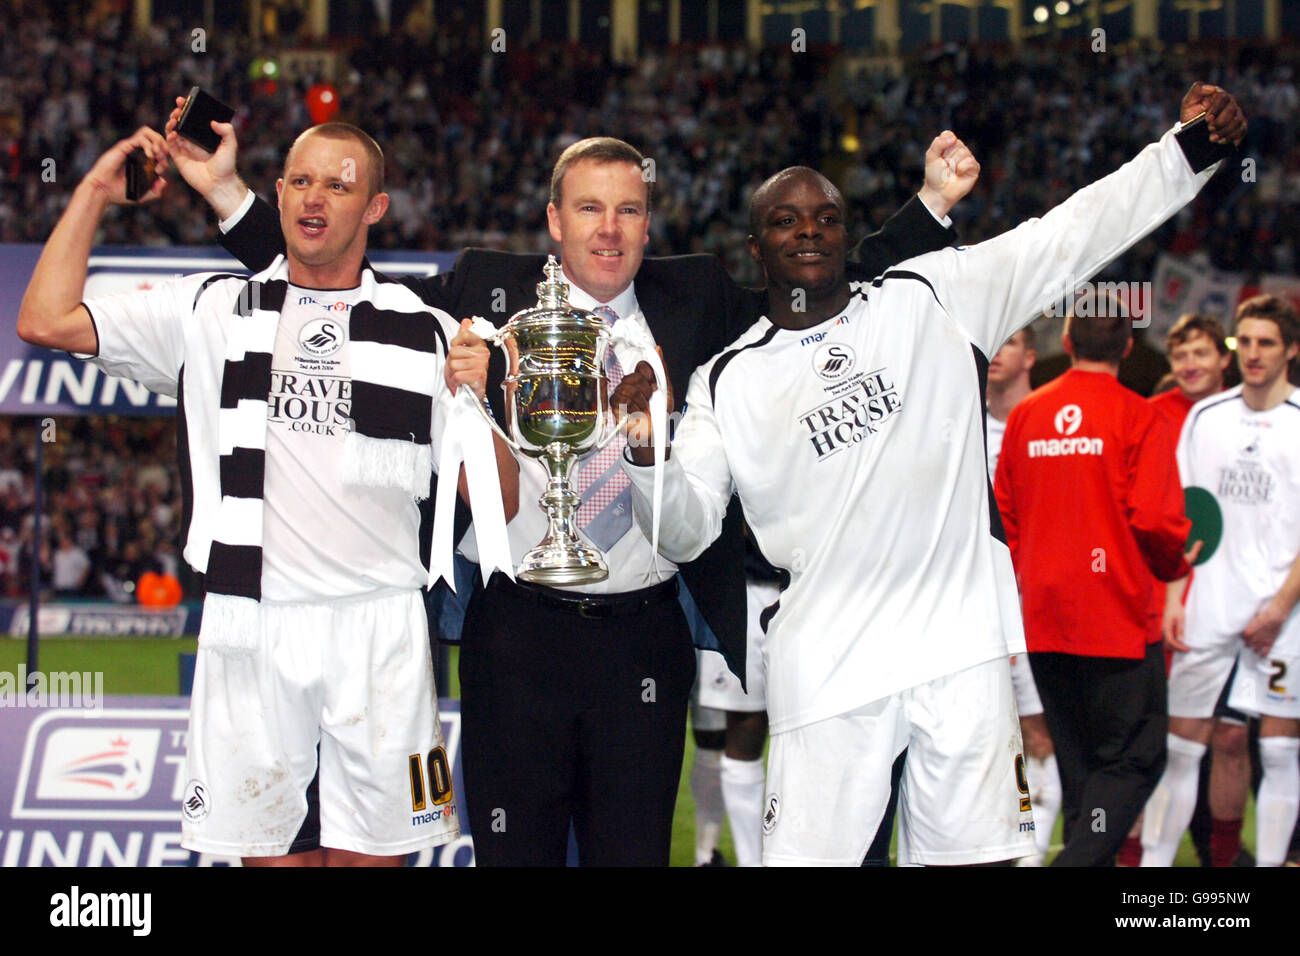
{"type": "Point", "coordinates": [555, 404]}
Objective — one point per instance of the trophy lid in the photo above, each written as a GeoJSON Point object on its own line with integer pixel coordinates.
{"type": "Point", "coordinates": [553, 291]}
{"type": "Point", "coordinates": [553, 306]}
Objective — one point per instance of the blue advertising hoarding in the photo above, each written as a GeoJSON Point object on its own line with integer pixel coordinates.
{"type": "Point", "coordinates": [102, 786]}
{"type": "Point", "coordinates": [37, 381]}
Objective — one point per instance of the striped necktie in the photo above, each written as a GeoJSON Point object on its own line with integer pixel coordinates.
{"type": "Point", "coordinates": [606, 511]}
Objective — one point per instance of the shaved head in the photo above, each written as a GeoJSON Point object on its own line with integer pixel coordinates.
{"type": "Point", "coordinates": [766, 194]}
{"type": "Point", "coordinates": [367, 147]}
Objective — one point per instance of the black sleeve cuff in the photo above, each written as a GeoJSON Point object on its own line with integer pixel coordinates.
{"type": "Point", "coordinates": [627, 456]}
{"type": "Point", "coordinates": [1201, 153]}
{"type": "Point", "coordinates": [257, 238]}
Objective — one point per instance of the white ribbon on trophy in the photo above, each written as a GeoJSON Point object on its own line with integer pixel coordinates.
{"type": "Point", "coordinates": [634, 335]}
{"type": "Point", "coordinates": [468, 439]}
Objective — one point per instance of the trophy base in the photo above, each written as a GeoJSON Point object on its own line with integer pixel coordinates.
{"type": "Point", "coordinates": [563, 567]}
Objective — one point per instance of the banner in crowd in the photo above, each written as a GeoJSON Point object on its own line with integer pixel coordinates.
{"type": "Point", "coordinates": [1288, 287]}
{"type": "Point", "coordinates": [36, 381]}
{"type": "Point", "coordinates": [102, 786]}
{"type": "Point", "coordinates": [1191, 285]}
{"type": "Point", "coordinates": [102, 620]}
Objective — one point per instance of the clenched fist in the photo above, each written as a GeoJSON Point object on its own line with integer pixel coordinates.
{"type": "Point", "coordinates": [633, 397]}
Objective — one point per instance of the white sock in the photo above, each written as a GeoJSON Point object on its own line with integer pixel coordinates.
{"type": "Point", "coordinates": [1278, 800]}
{"type": "Point", "coordinates": [1045, 793]}
{"type": "Point", "coordinates": [706, 788]}
{"type": "Point", "coordinates": [1172, 803]}
{"type": "Point", "coordinates": [742, 789]}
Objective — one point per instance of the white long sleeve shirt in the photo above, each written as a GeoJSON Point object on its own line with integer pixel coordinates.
{"type": "Point", "coordinates": [857, 449]}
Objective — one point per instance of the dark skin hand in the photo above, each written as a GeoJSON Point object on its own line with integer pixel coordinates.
{"type": "Point", "coordinates": [1226, 120]}
{"type": "Point", "coordinates": [633, 396]}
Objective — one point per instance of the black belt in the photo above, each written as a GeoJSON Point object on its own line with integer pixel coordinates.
{"type": "Point", "coordinates": [623, 604]}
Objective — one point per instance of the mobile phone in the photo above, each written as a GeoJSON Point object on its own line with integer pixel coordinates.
{"type": "Point", "coordinates": [140, 174]}
{"type": "Point", "coordinates": [197, 115]}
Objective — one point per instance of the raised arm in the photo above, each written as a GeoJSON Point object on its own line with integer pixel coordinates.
{"type": "Point", "coordinates": [921, 226]}
{"type": "Point", "coordinates": [51, 313]}
{"type": "Point", "coordinates": [997, 287]}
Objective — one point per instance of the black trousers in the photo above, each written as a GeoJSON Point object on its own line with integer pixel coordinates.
{"type": "Point", "coordinates": [1108, 717]}
{"type": "Point", "coordinates": [569, 716]}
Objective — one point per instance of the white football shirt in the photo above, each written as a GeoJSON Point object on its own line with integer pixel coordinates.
{"type": "Point", "coordinates": [323, 540]}
{"type": "Point", "coordinates": [857, 449]}
{"type": "Point", "coordinates": [1250, 462]}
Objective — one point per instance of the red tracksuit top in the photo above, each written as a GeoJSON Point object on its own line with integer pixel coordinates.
{"type": "Point", "coordinates": [1088, 487]}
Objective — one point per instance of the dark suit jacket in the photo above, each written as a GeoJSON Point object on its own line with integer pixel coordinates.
{"type": "Point", "coordinates": [693, 309]}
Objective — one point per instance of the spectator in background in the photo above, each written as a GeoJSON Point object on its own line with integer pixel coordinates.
{"type": "Point", "coordinates": [1106, 501]}
{"type": "Point", "coordinates": [1008, 384]}
{"type": "Point", "coordinates": [1199, 356]}
{"type": "Point", "coordinates": [71, 568]}
{"type": "Point", "coordinates": [1242, 448]}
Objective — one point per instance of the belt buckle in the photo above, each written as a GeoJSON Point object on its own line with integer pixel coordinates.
{"type": "Point", "coordinates": [595, 610]}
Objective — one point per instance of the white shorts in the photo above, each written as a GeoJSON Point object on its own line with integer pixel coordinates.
{"type": "Point", "coordinates": [1028, 702]}
{"type": "Point", "coordinates": [963, 795]}
{"type": "Point", "coordinates": [704, 719]}
{"type": "Point", "coordinates": [353, 678]}
{"type": "Point", "coordinates": [719, 687]}
{"type": "Point", "coordinates": [1197, 676]}
{"type": "Point", "coordinates": [1267, 686]}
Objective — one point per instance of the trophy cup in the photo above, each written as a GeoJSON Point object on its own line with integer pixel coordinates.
{"type": "Point", "coordinates": [555, 408]}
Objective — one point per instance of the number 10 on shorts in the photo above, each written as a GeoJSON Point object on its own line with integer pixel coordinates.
{"type": "Point", "coordinates": [439, 788]}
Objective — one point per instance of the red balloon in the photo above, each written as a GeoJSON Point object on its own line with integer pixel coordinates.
{"type": "Point", "coordinates": [170, 591]}
{"type": "Point", "coordinates": [148, 589]}
{"type": "Point", "coordinates": [322, 103]}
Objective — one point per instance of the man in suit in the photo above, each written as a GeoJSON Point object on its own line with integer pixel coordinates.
{"type": "Point", "coordinates": [574, 699]}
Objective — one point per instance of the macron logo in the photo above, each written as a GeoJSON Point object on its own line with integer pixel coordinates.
{"type": "Point", "coordinates": [1068, 419]}
{"type": "Point", "coordinates": [1067, 422]}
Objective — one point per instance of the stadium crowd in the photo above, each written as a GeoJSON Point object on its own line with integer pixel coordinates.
{"type": "Point", "coordinates": [470, 139]}
{"type": "Point", "coordinates": [111, 505]}
{"type": "Point", "coordinates": [470, 135]}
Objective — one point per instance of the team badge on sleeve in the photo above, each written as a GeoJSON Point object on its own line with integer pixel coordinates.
{"type": "Point", "coordinates": [770, 813]}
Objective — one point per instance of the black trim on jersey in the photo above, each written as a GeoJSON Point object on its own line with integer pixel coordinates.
{"type": "Point", "coordinates": [183, 456]}
{"type": "Point", "coordinates": [905, 274]}
{"type": "Point", "coordinates": [982, 371]}
{"type": "Point", "coordinates": [211, 279]}
{"type": "Point", "coordinates": [1191, 423]}
{"type": "Point", "coordinates": [94, 327]}
{"type": "Point", "coordinates": [727, 356]}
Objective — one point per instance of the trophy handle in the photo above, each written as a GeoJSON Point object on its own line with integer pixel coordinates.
{"type": "Point", "coordinates": [612, 433]}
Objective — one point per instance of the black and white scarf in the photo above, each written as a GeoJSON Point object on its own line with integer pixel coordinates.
{"type": "Point", "coordinates": [394, 339]}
